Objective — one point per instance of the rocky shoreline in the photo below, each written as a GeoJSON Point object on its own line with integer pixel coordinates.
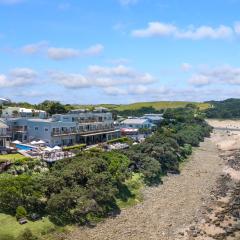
{"type": "Point", "coordinates": [201, 203]}
{"type": "Point", "coordinates": [221, 218]}
{"type": "Point", "coordinates": [168, 207]}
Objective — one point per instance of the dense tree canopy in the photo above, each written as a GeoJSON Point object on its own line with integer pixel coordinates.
{"type": "Point", "coordinates": [229, 108]}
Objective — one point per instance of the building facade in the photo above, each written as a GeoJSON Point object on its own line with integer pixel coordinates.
{"type": "Point", "coordinates": [4, 134]}
{"type": "Point", "coordinates": [138, 123]}
{"type": "Point", "coordinates": [78, 126]}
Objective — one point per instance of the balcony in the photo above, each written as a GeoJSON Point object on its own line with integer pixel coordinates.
{"type": "Point", "coordinates": [96, 130]}
{"type": "Point", "coordinates": [19, 129]}
{"type": "Point", "coordinates": [80, 132]}
{"type": "Point", "coordinates": [63, 133]}
{"type": "Point", "coordinates": [5, 134]}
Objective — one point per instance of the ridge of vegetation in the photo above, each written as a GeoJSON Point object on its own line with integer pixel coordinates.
{"type": "Point", "coordinates": [226, 109]}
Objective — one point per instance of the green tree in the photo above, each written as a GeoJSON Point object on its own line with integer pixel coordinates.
{"type": "Point", "coordinates": [53, 107]}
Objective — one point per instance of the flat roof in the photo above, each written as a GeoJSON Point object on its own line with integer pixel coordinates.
{"type": "Point", "coordinates": [135, 121]}
{"type": "Point", "coordinates": [39, 120]}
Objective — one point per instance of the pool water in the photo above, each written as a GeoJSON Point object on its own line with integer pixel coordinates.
{"type": "Point", "coordinates": [24, 147]}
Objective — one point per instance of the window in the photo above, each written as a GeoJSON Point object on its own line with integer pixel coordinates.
{"type": "Point", "coordinates": [36, 128]}
{"type": "Point", "coordinates": [46, 129]}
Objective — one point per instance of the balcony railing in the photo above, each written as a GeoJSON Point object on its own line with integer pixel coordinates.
{"type": "Point", "coordinates": [68, 132]}
{"type": "Point", "coordinates": [63, 132]}
{"type": "Point", "coordinates": [5, 135]}
{"type": "Point", "coordinates": [19, 129]}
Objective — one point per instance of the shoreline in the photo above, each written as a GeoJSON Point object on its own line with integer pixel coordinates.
{"type": "Point", "coordinates": [221, 217]}
{"type": "Point", "coordinates": [166, 208]}
{"type": "Point", "coordinates": [185, 205]}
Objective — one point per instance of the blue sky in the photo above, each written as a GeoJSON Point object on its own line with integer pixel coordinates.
{"type": "Point", "coordinates": [119, 51]}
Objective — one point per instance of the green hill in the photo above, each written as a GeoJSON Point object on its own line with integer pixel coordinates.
{"type": "Point", "coordinates": [159, 105]}
{"type": "Point", "coordinates": [156, 105]}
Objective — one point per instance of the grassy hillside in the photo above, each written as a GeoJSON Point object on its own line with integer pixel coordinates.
{"type": "Point", "coordinates": [159, 105]}
{"type": "Point", "coordinates": [156, 105]}
{"type": "Point", "coordinates": [109, 106]}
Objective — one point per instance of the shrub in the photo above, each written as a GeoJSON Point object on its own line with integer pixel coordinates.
{"type": "Point", "coordinates": [21, 161]}
{"type": "Point", "coordinates": [118, 140]}
{"type": "Point", "coordinates": [20, 212]}
{"type": "Point", "coordinates": [27, 235]}
{"type": "Point", "coordinates": [95, 150]}
{"type": "Point", "coordinates": [75, 147]}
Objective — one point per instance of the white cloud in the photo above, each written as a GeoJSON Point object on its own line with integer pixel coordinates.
{"type": "Point", "coordinates": [136, 90]}
{"type": "Point", "coordinates": [94, 50]}
{"type": "Point", "coordinates": [237, 28]}
{"type": "Point", "coordinates": [62, 53]}
{"type": "Point", "coordinates": [221, 32]}
{"type": "Point", "coordinates": [119, 70]}
{"type": "Point", "coordinates": [155, 29]}
{"type": "Point", "coordinates": [18, 77]}
{"type": "Point", "coordinates": [34, 48]}
{"type": "Point", "coordinates": [115, 91]}
{"type": "Point", "coordinates": [120, 74]}
{"type": "Point", "coordinates": [159, 29]}
{"type": "Point", "coordinates": [71, 80]}
{"type": "Point", "coordinates": [59, 53]}
{"type": "Point", "coordinates": [128, 2]}
{"type": "Point", "coordinates": [186, 67]}
{"type": "Point", "coordinates": [103, 77]}
{"type": "Point", "coordinates": [199, 80]}
{"type": "Point", "coordinates": [217, 75]}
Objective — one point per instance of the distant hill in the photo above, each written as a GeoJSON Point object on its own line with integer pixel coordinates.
{"type": "Point", "coordinates": [156, 105]}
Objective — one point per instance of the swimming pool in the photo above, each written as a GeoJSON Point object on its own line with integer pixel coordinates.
{"type": "Point", "coordinates": [24, 147]}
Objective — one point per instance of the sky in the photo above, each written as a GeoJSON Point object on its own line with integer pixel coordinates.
{"type": "Point", "coordinates": [119, 51]}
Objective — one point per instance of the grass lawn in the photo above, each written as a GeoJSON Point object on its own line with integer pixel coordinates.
{"type": "Point", "coordinates": [11, 157]}
{"type": "Point", "coordinates": [9, 226]}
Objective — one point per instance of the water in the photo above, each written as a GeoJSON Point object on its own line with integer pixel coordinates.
{"type": "Point", "coordinates": [24, 147]}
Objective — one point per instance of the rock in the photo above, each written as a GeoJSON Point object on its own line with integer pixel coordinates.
{"type": "Point", "coordinates": [192, 228]}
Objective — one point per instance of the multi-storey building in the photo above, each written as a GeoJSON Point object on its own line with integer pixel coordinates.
{"type": "Point", "coordinates": [78, 126]}
{"type": "Point", "coordinates": [4, 134]}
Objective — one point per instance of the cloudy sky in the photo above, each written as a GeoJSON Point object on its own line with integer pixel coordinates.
{"type": "Point", "coordinates": [119, 51]}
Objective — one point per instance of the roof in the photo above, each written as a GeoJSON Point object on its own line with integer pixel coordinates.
{"type": "Point", "coordinates": [135, 121]}
{"type": "Point", "coordinates": [40, 120]}
{"type": "Point", "coordinates": [153, 118]}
